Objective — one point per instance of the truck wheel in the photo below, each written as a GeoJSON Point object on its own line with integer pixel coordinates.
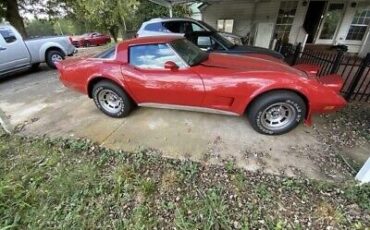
{"type": "Point", "coordinates": [54, 56]}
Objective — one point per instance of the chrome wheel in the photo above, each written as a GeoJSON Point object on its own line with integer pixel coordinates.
{"type": "Point", "coordinates": [56, 58]}
{"type": "Point", "coordinates": [278, 116]}
{"type": "Point", "coordinates": [110, 101]}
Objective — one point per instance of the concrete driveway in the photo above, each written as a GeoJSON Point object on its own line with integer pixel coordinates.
{"type": "Point", "coordinates": [38, 104]}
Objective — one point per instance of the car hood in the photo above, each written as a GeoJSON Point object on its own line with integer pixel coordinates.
{"type": "Point", "coordinates": [255, 49]}
{"type": "Point", "coordinates": [226, 34]}
{"type": "Point", "coordinates": [239, 63]}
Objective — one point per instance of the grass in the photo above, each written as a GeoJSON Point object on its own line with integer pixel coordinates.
{"type": "Point", "coordinates": [74, 184]}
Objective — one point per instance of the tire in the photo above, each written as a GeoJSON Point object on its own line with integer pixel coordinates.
{"type": "Point", "coordinates": [277, 112]}
{"type": "Point", "coordinates": [52, 56]}
{"type": "Point", "coordinates": [87, 44]}
{"type": "Point", "coordinates": [111, 99]}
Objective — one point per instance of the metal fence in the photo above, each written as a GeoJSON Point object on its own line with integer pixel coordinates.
{"type": "Point", "coordinates": [354, 70]}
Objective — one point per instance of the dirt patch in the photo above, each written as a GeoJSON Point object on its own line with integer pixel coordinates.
{"type": "Point", "coordinates": [347, 133]}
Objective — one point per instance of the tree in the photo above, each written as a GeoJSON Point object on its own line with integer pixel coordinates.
{"type": "Point", "coordinates": [40, 28]}
{"type": "Point", "coordinates": [9, 9]}
{"type": "Point", "coordinates": [148, 10]}
{"type": "Point", "coordinates": [107, 15]}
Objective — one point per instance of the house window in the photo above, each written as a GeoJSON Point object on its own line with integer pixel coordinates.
{"type": "Point", "coordinates": [359, 25]}
{"type": "Point", "coordinates": [225, 25]}
{"type": "Point", "coordinates": [285, 19]}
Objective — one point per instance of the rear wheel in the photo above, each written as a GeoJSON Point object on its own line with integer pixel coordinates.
{"type": "Point", "coordinates": [276, 112]}
{"type": "Point", "coordinates": [53, 56]}
{"type": "Point", "coordinates": [111, 99]}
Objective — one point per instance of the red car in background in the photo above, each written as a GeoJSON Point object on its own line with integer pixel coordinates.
{"type": "Point", "coordinates": [90, 39]}
{"type": "Point", "coordinates": [172, 72]}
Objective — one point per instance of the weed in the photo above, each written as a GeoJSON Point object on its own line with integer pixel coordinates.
{"type": "Point", "coordinates": [188, 170]}
{"type": "Point", "coordinates": [230, 166]}
{"type": "Point", "coordinates": [147, 187]}
{"type": "Point", "coordinates": [359, 194]}
{"type": "Point", "coordinates": [263, 192]}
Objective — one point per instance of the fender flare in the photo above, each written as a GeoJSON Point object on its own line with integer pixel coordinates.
{"type": "Point", "coordinates": [47, 46]}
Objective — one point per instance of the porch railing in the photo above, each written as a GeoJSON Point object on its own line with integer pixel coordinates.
{"type": "Point", "coordinates": [354, 70]}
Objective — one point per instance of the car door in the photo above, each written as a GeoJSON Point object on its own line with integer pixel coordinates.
{"type": "Point", "coordinates": [98, 38]}
{"type": "Point", "coordinates": [150, 82]}
{"type": "Point", "coordinates": [13, 51]}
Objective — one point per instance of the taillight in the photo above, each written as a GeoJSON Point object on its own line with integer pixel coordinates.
{"type": "Point", "coordinates": [70, 40]}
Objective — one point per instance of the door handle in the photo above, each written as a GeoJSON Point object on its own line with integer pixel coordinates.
{"type": "Point", "coordinates": [2, 48]}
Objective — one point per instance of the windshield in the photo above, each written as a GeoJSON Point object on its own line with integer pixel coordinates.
{"type": "Point", "coordinates": [189, 52]}
{"type": "Point", "coordinates": [223, 40]}
{"type": "Point", "coordinates": [218, 36]}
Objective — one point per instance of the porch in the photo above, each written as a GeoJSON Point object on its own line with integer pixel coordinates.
{"type": "Point", "coordinates": [331, 22]}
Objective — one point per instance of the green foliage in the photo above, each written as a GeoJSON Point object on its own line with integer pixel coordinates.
{"type": "Point", "coordinates": [147, 187]}
{"type": "Point", "coordinates": [359, 195]}
{"type": "Point", "coordinates": [67, 26]}
{"type": "Point", "coordinates": [40, 28]}
{"type": "Point", "coordinates": [210, 210]}
{"type": "Point", "coordinates": [147, 10]}
{"type": "Point", "coordinates": [73, 184]}
{"type": "Point", "coordinates": [188, 170]}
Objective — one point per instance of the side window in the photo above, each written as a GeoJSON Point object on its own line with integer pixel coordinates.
{"type": "Point", "coordinates": [153, 56]}
{"type": "Point", "coordinates": [174, 27]}
{"type": "Point", "coordinates": [8, 35]}
{"type": "Point", "coordinates": [154, 27]}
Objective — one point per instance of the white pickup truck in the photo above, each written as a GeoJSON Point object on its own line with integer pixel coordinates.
{"type": "Point", "coordinates": [18, 55]}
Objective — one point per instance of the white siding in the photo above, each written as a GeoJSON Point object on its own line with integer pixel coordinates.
{"type": "Point", "coordinates": [298, 22]}
{"type": "Point", "coordinates": [267, 11]}
{"type": "Point", "coordinates": [241, 12]}
{"type": "Point", "coordinates": [247, 13]}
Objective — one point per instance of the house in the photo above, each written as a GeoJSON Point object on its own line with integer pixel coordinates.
{"type": "Point", "coordinates": [330, 22]}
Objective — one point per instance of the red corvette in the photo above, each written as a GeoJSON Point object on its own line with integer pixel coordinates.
{"type": "Point", "coordinates": [171, 72]}
{"type": "Point", "coordinates": [90, 39]}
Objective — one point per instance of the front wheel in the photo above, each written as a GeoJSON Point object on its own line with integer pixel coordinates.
{"type": "Point", "coordinates": [277, 112]}
{"type": "Point", "coordinates": [111, 99]}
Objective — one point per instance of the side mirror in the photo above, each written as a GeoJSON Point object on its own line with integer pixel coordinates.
{"type": "Point", "coordinates": [171, 66]}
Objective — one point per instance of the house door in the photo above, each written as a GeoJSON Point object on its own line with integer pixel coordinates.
{"type": "Point", "coordinates": [314, 15]}
{"type": "Point", "coordinates": [330, 23]}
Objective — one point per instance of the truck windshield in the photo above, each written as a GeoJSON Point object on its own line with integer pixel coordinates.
{"type": "Point", "coordinates": [228, 44]}
{"type": "Point", "coordinates": [189, 52]}
{"type": "Point", "coordinates": [209, 28]}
